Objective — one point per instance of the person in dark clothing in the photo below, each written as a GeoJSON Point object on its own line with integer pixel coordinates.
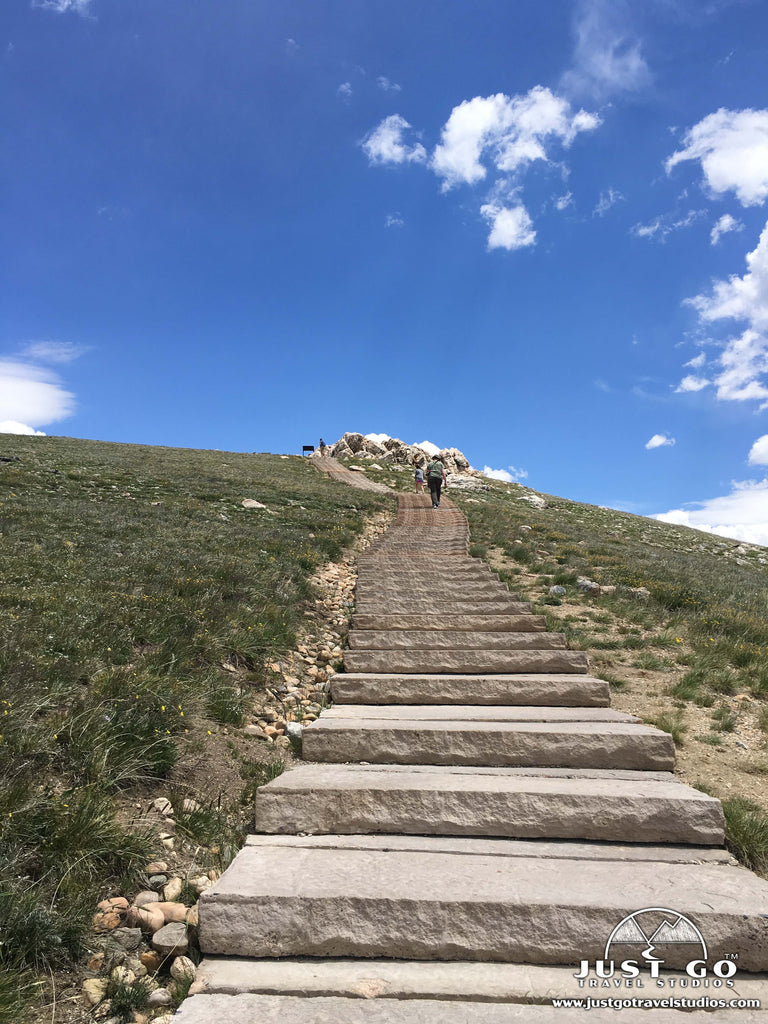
{"type": "Point", "coordinates": [436, 479]}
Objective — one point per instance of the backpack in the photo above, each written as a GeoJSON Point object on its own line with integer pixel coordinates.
{"type": "Point", "coordinates": [435, 469]}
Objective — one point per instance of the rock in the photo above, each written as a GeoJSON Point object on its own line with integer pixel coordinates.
{"type": "Point", "coordinates": [190, 806]}
{"type": "Point", "coordinates": [157, 867]}
{"type": "Point", "coordinates": [122, 975]}
{"type": "Point", "coordinates": [172, 911]}
{"type": "Point", "coordinates": [106, 920]}
{"type": "Point", "coordinates": [168, 843]}
{"type": "Point", "coordinates": [182, 967]}
{"type": "Point", "coordinates": [114, 903]}
{"type": "Point", "coordinates": [293, 730]}
{"type": "Point", "coordinates": [557, 591]}
{"type": "Point", "coordinates": [171, 940]}
{"type": "Point", "coordinates": [251, 503]}
{"type": "Point", "coordinates": [94, 990]}
{"type": "Point", "coordinates": [127, 939]}
{"type": "Point", "coordinates": [148, 918]}
{"type": "Point", "coordinates": [193, 918]}
{"type": "Point", "coordinates": [160, 997]}
{"type": "Point", "coordinates": [254, 730]}
{"type": "Point", "coordinates": [202, 883]}
{"type": "Point", "coordinates": [587, 586]}
{"type": "Point", "coordinates": [641, 593]}
{"type": "Point", "coordinates": [158, 881]}
{"type": "Point", "coordinates": [526, 529]}
{"type": "Point", "coordinates": [151, 961]}
{"type": "Point", "coordinates": [145, 896]}
{"type": "Point", "coordinates": [163, 806]}
{"type": "Point", "coordinates": [96, 962]}
{"type": "Point", "coordinates": [172, 890]}
{"type": "Point", "coordinates": [164, 1018]}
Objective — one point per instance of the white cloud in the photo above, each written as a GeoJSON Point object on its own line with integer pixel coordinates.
{"type": "Point", "coordinates": [744, 360]}
{"type": "Point", "coordinates": [510, 475]}
{"type": "Point", "coordinates": [758, 453]}
{"type": "Point", "coordinates": [606, 59]}
{"type": "Point", "coordinates": [62, 6]}
{"type": "Point", "coordinates": [384, 145]}
{"type": "Point", "coordinates": [693, 383]}
{"type": "Point", "coordinates": [562, 202]}
{"type": "Point", "coordinates": [659, 441]}
{"type": "Point", "coordinates": [30, 394]}
{"type": "Point", "coordinates": [53, 351]}
{"type": "Point", "coordinates": [608, 198]}
{"type": "Point", "coordinates": [663, 226]}
{"type": "Point", "coordinates": [344, 92]}
{"type": "Point", "coordinates": [14, 427]}
{"type": "Point", "coordinates": [511, 131]}
{"type": "Point", "coordinates": [697, 362]}
{"type": "Point", "coordinates": [394, 220]}
{"type": "Point", "coordinates": [511, 228]}
{"type": "Point", "coordinates": [429, 448]}
{"type": "Point", "coordinates": [723, 226]}
{"type": "Point", "coordinates": [378, 438]}
{"type": "Point", "coordinates": [732, 147]}
{"type": "Point", "coordinates": [742, 514]}
{"type": "Point", "coordinates": [387, 86]}
{"type": "Point", "coordinates": [291, 47]}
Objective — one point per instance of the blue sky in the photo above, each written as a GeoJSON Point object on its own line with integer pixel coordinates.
{"type": "Point", "coordinates": [537, 232]}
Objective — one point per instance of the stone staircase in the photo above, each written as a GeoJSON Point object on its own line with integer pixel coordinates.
{"type": "Point", "coordinates": [473, 821]}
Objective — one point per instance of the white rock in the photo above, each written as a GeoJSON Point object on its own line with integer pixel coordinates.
{"type": "Point", "coordinates": [182, 967]}
{"type": "Point", "coordinates": [251, 503]}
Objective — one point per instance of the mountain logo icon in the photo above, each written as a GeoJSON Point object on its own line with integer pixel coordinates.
{"type": "Point", "coordinates": [653, 927]}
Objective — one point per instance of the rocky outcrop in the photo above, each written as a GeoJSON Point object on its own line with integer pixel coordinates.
{"type": "Point", "coordinates": [397, 452]}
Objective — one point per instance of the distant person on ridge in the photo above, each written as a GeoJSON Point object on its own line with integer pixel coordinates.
{"type": "Point", "coordinates": [321, 446]}
{"type": "Point", "coordinates": [419, 478]}
{"type": "Point", "coordinates": [436, 478]}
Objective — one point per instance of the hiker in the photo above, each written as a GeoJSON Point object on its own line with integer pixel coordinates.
{"type": "Point", "coordinates": [436, 478]}
{"type": "Point", "coordinates": [321, 446]}
{"type": "Point", "coordinates": [419, 478]}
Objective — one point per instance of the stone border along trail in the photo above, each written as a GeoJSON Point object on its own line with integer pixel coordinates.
{"type": "Point", "coordinates": [476, 822]}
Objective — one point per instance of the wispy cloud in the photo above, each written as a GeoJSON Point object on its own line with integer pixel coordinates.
{"type": "Point", "coordinates": [659, 441]}
{"type": "Point", "coordinates": [394, 220]}
{"type": "Point", "coordinates": [291, 47]}
{"type": "Point", "coordinates": [725, 224]}
{"type": "Point", "coordinates": [563, 202]}
{"type": "Point", "coordinates": [344, 92]}
{"type": "Point", "coordinates": [385, 144]}
{"type": "Point", "coordinates": [82, 7]}
{"type": "Point", "coordinates": [509, 475]}
{"type": "Point", "coordinates": [732, 148]}
{"type": "Point", "coordinates": [53, 351]}
{"type": "Point", "coordinates": [693, 383]}
{"type": "Point", "coordinates": [386, 86]}
{"type": "Point", "coordinates": [663, 226]}
{"type": "Point", "coordinates": [608, 198]}
{"type": "Point", "coordinates": [607, 56]}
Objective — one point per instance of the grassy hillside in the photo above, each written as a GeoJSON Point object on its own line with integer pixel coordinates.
{"type": "Point", "coordinates": [129, 576]}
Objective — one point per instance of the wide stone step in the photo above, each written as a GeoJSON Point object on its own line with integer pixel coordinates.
{"type": "Point", "coordinates": [497, 744]}
{"type": "Point", "coordinates": [546, 689]}
{"type": "Point", "coordinates": [446, 589]}
{"type": "Point", "coordinates": [356, 799]}
{"type": "Point", "coordinates": [428, 640]}
{"type": "Point", "coordinates": [474, 713]}
{"type": "Point", "coordinates": [454, 623]}
{"type": "Point", "coordinates": [465, 661]}
{"type": "Point", "coordinates": [427, 605]}
{"type": "Point", "coordinates": [494, 899]}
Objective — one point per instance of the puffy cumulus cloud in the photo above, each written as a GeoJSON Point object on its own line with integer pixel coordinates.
{"type": "Point", "coordinates": [693, 383]}
{"type": "Point", "coordinates": [14, 427]}
{"type": "Point", "coordinates": [743, 362]}
{"type": "Point", "coordinates": [378, 438]}
{"type": "Point", "coordinates": [429, 448]}
{"type": "Point", "coordinates": [732, 147]}
{"type": "Point", "coordinates": [32, 395]}
{"type": "Point", "coordinates": [758, 453]}
{"type": "Point", "coordinates": [607, 57]}
{"type": "Point", "coordinates": [725, 224]}
{"type": "Point", "coordinates": [511, 227]}
{"type": "Point", "coordinates": [742, 514]}
{"type": "Point", "coordinates": [385, 145]}
{"type": "Point", "coordinates": [510, 132]}
{"type": "Point", "coordinates": [511, 475]}
{"type": "Point", "coordinates": [659, 441]}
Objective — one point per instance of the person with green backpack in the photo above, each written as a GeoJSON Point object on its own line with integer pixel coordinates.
{"type": "Point", "coordinates": [436, 479]}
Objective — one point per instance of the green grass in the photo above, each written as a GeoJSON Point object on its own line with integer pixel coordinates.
{"type": "Point", "coordinates": [671, 722]}
{"type": "Point", "coordinates": [129, 576]}
{"type": "Point", "coordinates": [747, 832]}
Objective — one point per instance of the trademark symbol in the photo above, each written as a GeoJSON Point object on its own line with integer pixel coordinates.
{"type": "Point", "coordinates": [730, 956]}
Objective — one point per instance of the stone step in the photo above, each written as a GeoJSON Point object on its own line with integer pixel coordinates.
{"type": "Point", "coordinates": [545, 689]}
{"type": "Point", "coordinates": [356, 799]}
{"type": "Point", "coordinates": [442, 590]}
{"type": "Point", "coordinates": [493, 743]}
{"type": "Point", "coordinates": [502, 605]}
{"type": "Point", "coordinates": [474, 713]}
{"type": "Point", "coordinates": [494, 899]}
{"type": "Point", "coordinates": [249, 1008]}
{"type": "Point", "coordinates": [388, 987]}
{"type": "Point", "coordinates": [427, 641]}
{"type": "Point", "coordinates": [483, 662]}
{"type": "Point", "coordinates": [469, 623]}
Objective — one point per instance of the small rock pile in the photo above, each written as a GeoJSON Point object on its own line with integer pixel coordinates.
{"type": "Point", "coordinates": [301, 681]}
{"type": "Point", "coordinates": [147, 940]}
{"type": "Point", "coordinates": [394, 451]}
